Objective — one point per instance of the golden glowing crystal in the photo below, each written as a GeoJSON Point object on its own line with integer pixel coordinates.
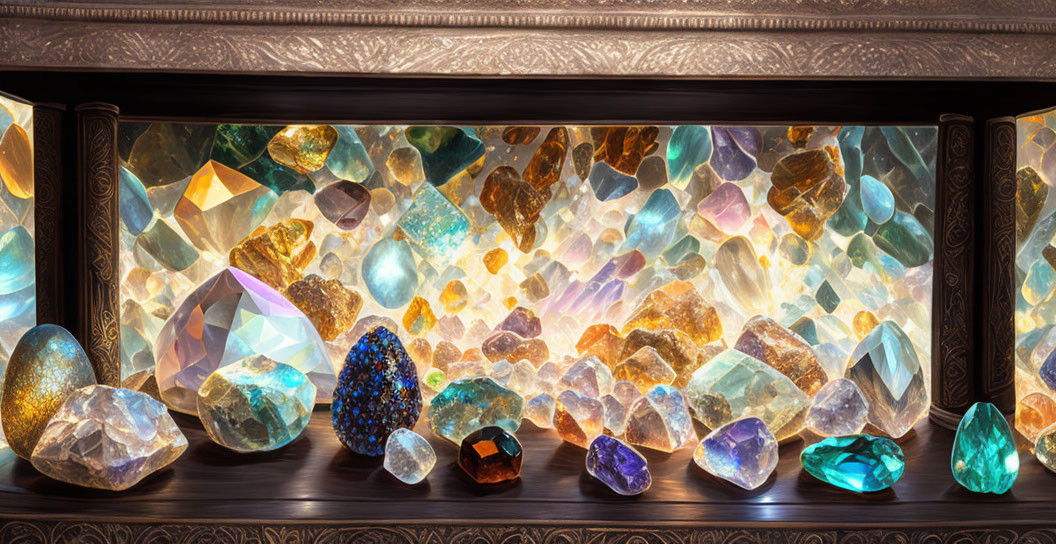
{"type": "Point", "coordinates": [406, 165]}
{"type": "Point", "coordinates": [303, 148]}
{"type": "Point", "coordinates": [645, 369]}
{"type": "Point", "coordinates": [454, 296]}
{"type": "Point", "coordinates": [220, 207]}
{"type": "Point", "coordinates": [864, 322]}
{"type": "Point", "coordinates": [678, 306]}
{"type": "Point", "coordinates": [330, 306]}
{"type": "Point", "coordinates": [495, 259]}
{"type": "Point", "coordinates": [624, 147]}
{"type": "Point", "coordinates": [675, 347]}
{"type": "Point", "coordinates": [782, 349]}
{"type": "Point", "coordinates": [419, 318]}
{"type": "Point", "coordinates": [1034, 413]}
{"type": "Point", "coordinates": [806, 190]}
{"type": "Point", "coordinates": [277, 254]}
{"type": "Point", "coordinates": [16, 162]}
{"type": "Point", "coordinates": [602, 341]}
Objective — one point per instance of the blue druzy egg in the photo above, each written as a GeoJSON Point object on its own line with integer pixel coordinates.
{"type": "Point", "coordinates": [377, 392]}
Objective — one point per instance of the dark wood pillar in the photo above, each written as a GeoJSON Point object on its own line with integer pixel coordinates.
{"type": "Point", "coordinates": [98, 275]}
{"type": "Point", "coordinates": [48, 212]}
{"type": "Point", "coordinates": [996, 289]}
{"type": "Point", "coordinates": [953, 369]}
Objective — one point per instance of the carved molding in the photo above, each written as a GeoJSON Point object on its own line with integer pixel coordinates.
{"type": "Point", "coordinates": [953, 370]}
{"type": "Point", "coordinates": [45, 532]}
{"type": "Point", "coordinates": [998, 340]}
{"type": "Point", "coordinates": [98, 300]}
{"type": "Point", "coordinates": [47, 191]}
{"type": "Point", "coordinates": [644, 38]}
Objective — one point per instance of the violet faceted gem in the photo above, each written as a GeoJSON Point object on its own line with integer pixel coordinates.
{"type": "Point", "coordinates": [618, 465]}
{"type": "Point", "coordinates": [734, 152]}
{"type": "Point", "coordinates": [343, 203]}
{"type": "Point", "coordinates": [743, 452]}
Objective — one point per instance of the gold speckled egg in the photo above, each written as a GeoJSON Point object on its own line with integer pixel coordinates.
{"type": "Point", "coordinates": [46, 366]}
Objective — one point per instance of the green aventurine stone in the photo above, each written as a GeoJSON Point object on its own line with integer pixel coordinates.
{"type": "Point", "coordinates": [858, 462]}
{"type": "Point", "coordinates": [984, 458]}
{"type": "Point", "coordinates": [275, 176]}
{"type": "Point", "coordinates": [238, 145]}
{"type": "Point", "coordinates": [904, 238]}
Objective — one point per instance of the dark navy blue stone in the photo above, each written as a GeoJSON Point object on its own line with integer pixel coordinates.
{"type": "Point", "coordinates": [1048, 370]}
{"type": "Point", "coordinates": [377, 392]}
{"type": "Point", "coordinates": [618, 466]}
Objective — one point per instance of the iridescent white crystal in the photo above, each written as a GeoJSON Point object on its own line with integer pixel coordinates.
{"type": "Point", "coordinates": [588, 376]}
{"type": "Point", "coordinates": [408, 456]}
{"type": "Point", "coordinates": [108, 438]}
{"type": "Point", "coordinates": [540, 410]}
{"type": "Point", "coordinates": [660, 420]}
{"type": "Point", "coordinates": [838, 409]}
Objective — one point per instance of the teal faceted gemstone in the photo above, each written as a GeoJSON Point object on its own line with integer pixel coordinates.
{"type": "Point", "coordinates": [653, 227]}
{"type": "Point", "coordinates": [984, 458]}
{"type": "Point", "coordinates": [827, 297]}
{"type": "Point", "coordinates": [688, 148]}
{"type": "Point", "coordinates": [390, 274]}
{"type": "Point", "coordinates": [856, 462]}
{"type": "Point", "coordinates": [435, 225]}
{"type": "Point", "coordinates": [446, 151]}
{"type": "Point", "coordinates": [349, 159]}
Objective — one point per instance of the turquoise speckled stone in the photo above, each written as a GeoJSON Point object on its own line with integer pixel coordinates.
{"type": "Point", "coordinates": [858, 462]}
{"type": "Point", "coordinates": [984, 458]}
{"type": "Point", "coordinates": [390, 274]}
{"type": "Point", "coordinates": [434, 224]}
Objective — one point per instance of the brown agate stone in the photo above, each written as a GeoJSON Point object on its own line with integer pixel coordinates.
{"type": "Point", "coordinates": [510, 346]}
{"type": "Point", "coordinates": [329, 305]}
{"type": "Point", "coordinates": [545, 167]}
{"type": "Point", "coordinates": [276, 254]}
{"type": "Point", "coordinates": [624, 147]}
{"type": "Point", "coordinates": [520, 135]}
{"type": "Point", "coordinates": [806, 190]}
{"type": "Point", "coordinates": [778, 347]}
{"type": "Point", "coordinates": [675, 347]}
{"type": "Point", "coordinates": [514, 203]}
{"type": "Point", "coordinates": [602, 341]}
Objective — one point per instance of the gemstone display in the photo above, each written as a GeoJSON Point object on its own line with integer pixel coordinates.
{"type": "Point", "coordinates": [860, 462]}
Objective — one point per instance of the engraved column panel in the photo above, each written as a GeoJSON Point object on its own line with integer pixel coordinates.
{"type": "Point", "coordinates": [98, 279]}
{"type": "Point", "coordinates": [996, 293]}
{"type": "Point", "coordinates": [953, 370]}
{"type": "Point", "coordinates": [47, 160]}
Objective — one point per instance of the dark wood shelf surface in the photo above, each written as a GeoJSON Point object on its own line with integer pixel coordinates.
{"type": "Point", "coordinates": [314, 479]}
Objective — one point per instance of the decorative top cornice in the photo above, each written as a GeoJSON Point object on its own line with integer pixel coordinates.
{"type": "Point", "coordinates": [669, 38]}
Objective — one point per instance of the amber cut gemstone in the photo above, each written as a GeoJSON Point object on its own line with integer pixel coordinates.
{"type": "Point", "coordinates": [806, 190]}
{"type": "Point", "coordinates": [16, 162]}
{"type": "Point", "coordinates": [330, 306]}
{"type": "Point", "coordinates": [495, 259]}
{"type": "Point", "coordinates": [303, 148]}
{"type": "Point", "coordinates": [784, 350]}
{"type": "Point", "coordinates": [419, 318]}
{"type": "Point", "coordinates": [454, 296]}
{"type": "Point", "coordinates": [1034, 413]}
{"type": "Point", "coordinates": [515, 204]}
{"type": "Point", "coordinates": [220, 207]}
{"type": "Point", "coordinates": [520, 135]}
{"type": "Point", "coordinates": [602, 341]}
{"type": "Point", "coordinates": [864, 322]}
{"type": "Point", "coordinates": [624, 147]}
{"type": "Point", "coordinates": [277, 254]}
{"type": "Point", "coordinates": [677, 306]}
{"type": "Point", "coordinates": [491, 455]}
{"type": "Point", "coordinates": [545, 167]}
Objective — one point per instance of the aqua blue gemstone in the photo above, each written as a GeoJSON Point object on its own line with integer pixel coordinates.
{"type": "Point", "coordinates": [906, 152]}
{"type": "Point", "coordinates": [608, 183]}
{"type": "Point", "coordinates": [1039, 282]}
{"type": "Point", "coordinates": [904, 238]}
{"type": "Point", "coordinates": [349, 159]}
{"type": "Point", "coordinates": [445, 151]}
{"type": "Point", "coordinates": [133, 203]}
{"type": "Point", "coordinates": [19, 304]}
{"type": "Point", "coordinates": [850, 218]}
{"type": "Point", "coordinates": [16, 260]}
{"type": "Point", "coordinates": [377, 392]}
{"type": "Point", "coordinates": [618, 465]}
{"type": "Point", "coordinates": [689, 147]}
{"type": "Point", "coordinates": [390, 273]}
{"type": "Point", "coordinates": [858, 462]}
{"type": "Point", "coordinates": [653, 227]}
{"type": "Point", "coordinates": [984, 458]}
{"type": "Point", "coordinates": [877, 200]}
{"type": "Point", "coordinates": [434, 224]}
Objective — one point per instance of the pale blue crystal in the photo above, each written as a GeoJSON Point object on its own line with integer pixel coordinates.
{"type": "Point", "coordinates": [653, 227]}
{"type": "Point", "coordinates": [609, 184]}
{"type": "Point", "coordinates": [16, 260]}
{"type": "Point", "coordinates": [5, 120]}
{"type": "Point", "coordinates": [390, 273]}
{"type": "Point", "coordinates": [408, 456]}
{"type": "Point", "coordinates": [18, 304]}
{"type": "Point", "coordinates": [1039, 282]}
{"type": "Point", "coordinates": [877, 200]}
{"type": "Point", "coordinates": [689, 147]}
{"type": "Point", "coordinates": [743, 452]}
{"type": "Point", "coordinates": [135, 210]}
{"type": "Point", "coordinates": [349, 159]}
{"type": "Point", "coordinates": [434, 224]}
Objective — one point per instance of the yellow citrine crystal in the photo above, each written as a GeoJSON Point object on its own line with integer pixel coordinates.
{"type": "Point", "coordinates": [454, 296]}
{"type": "Point", "coordinates": [16, 162]}
{"type": "Point", "coordinates": [678, 306]}
{"type": "Point", "coordinates": [220, 207]}
{"type": "Point", "coordinates": [277, 254]}
{"type": "Point", "coordinates": [303, 148]}
{"type": "Point", "coordinates": [864, 322]}
{"type": "Point", "coordinates": [495, 259]}
{"type": "Point", "coordinates": [419, 317]}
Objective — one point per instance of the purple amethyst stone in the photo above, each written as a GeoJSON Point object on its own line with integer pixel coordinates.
{"type": "Point", "coordinates": [735, 150]}
{"type": "Point", "coordinates": [618, 466]}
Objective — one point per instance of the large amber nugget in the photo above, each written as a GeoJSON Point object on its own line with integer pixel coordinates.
{"type": "Point", "coordinates": [602, 341]}
{"type": "Point", "coordinates": [419, 318]}
{"type": "Point", "coordinates": [782, 349]}
{"type": "Point", "coordinates": [806, 190]}
{"type": "Point", "coordinates": [495, 259]}
{"type": "Point", "coordinates": [330, 306]}
{"type": "Point", "coordinates": [515, 204]}
{"type": "Point", "coordinates": [624, 147]}
{"type": "Point", "coordinates": [645, 369]}
{"type": "Point", "coordinates": [303, 148]}
{"type": "Point", "coordinates": [520, 135]}
{"type": "Point", "coordinates": [46, 366]}
{"type": "Point", "coordinates": [677, 305]}
{"type": "Point", "coordinates": [276, 255]}
{"type": "Point", "coordinates": [220, 207]}
{"type": "Point", "coordinates": [16, 162]}
{"type": "Point", "coordinates": [454, 296]}
{"type": "Point", "coordinates": [545, 167]}
{"type": "Point", "coordinates": [675, 347]}
{"type": "Point", "coordinates": [1034, 413]}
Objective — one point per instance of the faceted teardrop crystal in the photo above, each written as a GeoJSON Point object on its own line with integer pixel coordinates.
{"type": "Point", "coordinates": [859, 462]}
{"type": "Point", "coordinates": [885, 367]}
{"type": "Point", "coordinates": [984, 458]}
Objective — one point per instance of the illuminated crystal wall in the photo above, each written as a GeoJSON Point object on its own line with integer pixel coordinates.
{"type": "Point", "coordinates": [483, 244]}
{"type": "Point", "coordinates": [18, 296]}
{"type": "Point", "coordinates": [1035, 275]}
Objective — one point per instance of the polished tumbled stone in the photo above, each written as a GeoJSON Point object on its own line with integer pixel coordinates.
{"type": "Point", "coordinates": [108, 438]}
{"type": "Point", "coordinates": [838, 409]}
{"type": "Point", "coordinates": [984, 458]}
{"type": "Point", "coordinates": [618, 466]}
{"type": "Point", "coordinates": [491, 455]}
{"type": "Point", "coordinates": [743, 452]}
{"type": "Point", "coordinates": [653, 228]}
{"type": "Point", "coordinates": [660, 420]}
{"type": "Point", "coordinates": [860, 462]}
{"type": "Point", "coordinates": [343, 203]}
{"type": "Point", "coordinates": [408, 456]}
{"type": "Point", "coordinates": [390, 273]}
{"type": "Point", "coordinates": [255, 404]}
{"type": "Point", "coordinates": [886, 369]}
{"type": "Point", "coordinates": [377, 392]}
{"type": "Point", "coordinates": [469, 404]}
{"type": "Point", "coordinates": [578, 418]}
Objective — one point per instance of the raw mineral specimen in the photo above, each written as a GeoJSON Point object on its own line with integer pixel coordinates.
{"type": "Point", "coordinates": [495, 259]}
{"type": "Point", "coordinates": [743, 452]}
{"type": "Point", "coordinates": [660, 420]}
{"type": "Point", "coordinates": [331, 307]}
{"type": "Point", "coordinates": [838, 409]}
{"type": "Point", "coordinates": [472, 403]}
{"type": "Point", "coordinates": [435, 225]}
{"type": "Point", "coordinates": [303, 148]}
{"type": "Point", "coordinates": [618, 466]}
{"type": "Point", "coordinates": [645, 369]}
{"type": "Point", "coordinates": [688, 148]}
{"type": "Point", "coordinates": [491, 455]}
{"type": "Point", "coordinates": [540, 410]}
{"type": "Point", "coordinates": [610, 184]}
{"type": "Point", "coordinates": [343, 203]}
{"type": "Point", "coordinates": [220, 207]}
{"type": "Point", "coordinates": [859, 462]}
{"type": "Point", "coordinates": [445, 354]}
{"type": "Point", "coordinates": [624, 147]}
{"type": "Point", "coordinates": [984, 458]}
{"type": "Point", "coordinates": [377, 393]}
{"type": "Point", "coordinates": [544, 169]}
{"type": "Point", "coordinates": [885, 367]}
{"type": "Point", "coordinates": [602, 341]}
{"type": "Point", "coordinates": [523, 322]}
{"type": "Point", "coordinates": [408, 456]}
{"type": "Point", "coordinates": [1034, 413]}
{"type": "Point", "coordinates": [390, 274]}
{"type": "Point", "coordinates": [726, 208]}
{"type": "Point", "coordinates": [578, 418]}
{"type": "Point", "coordinates": [108, 438]}
{"type": "Point", "coordinates": [675, 347]}
{"type": "Point", "coordinates": [653, 228]}
{"type": "Point", "coordinates": [778, 347]}
{"type": "Point", "coordinates": [806, 190]}
{"type": "Point", "coordinates": [419, 318]}
{"type": "Point", "coordinates": [16, 162]}
{"type": "Point", "coordinates": [515, 204]}
{"type": "Point", "coordinates": [255, 404]}
{"type": "Point", "coordinates": [277, 254]}
{"type": "Point", "coordinates": [510, 346]}
{"type": "Point", "coordinates": [46, 366]}
{"type": "Point", "coordinates": [446, 151]}
{"type": "Point", "coordinates": [520, 135]}
{"type": "Point", "coordinates": [679, 306]}
{"type": "Point", "coordinates": [588, 376]}
{"type": "Point", "coordinates": [741, 274]}
{"type": "Point", "coordinates": [735, 148]}
{"type": "Point", "coordinates": [239, 145]}
{"type": "Point", "coordinates": [734, 385]}
{"type": "Point", "coordinates": [225, 319]}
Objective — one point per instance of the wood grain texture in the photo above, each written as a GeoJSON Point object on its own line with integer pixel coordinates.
{"type": "Point", "coordinates": [98, 271]}
{"type": "Point", "coordinates": [48, 193]}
